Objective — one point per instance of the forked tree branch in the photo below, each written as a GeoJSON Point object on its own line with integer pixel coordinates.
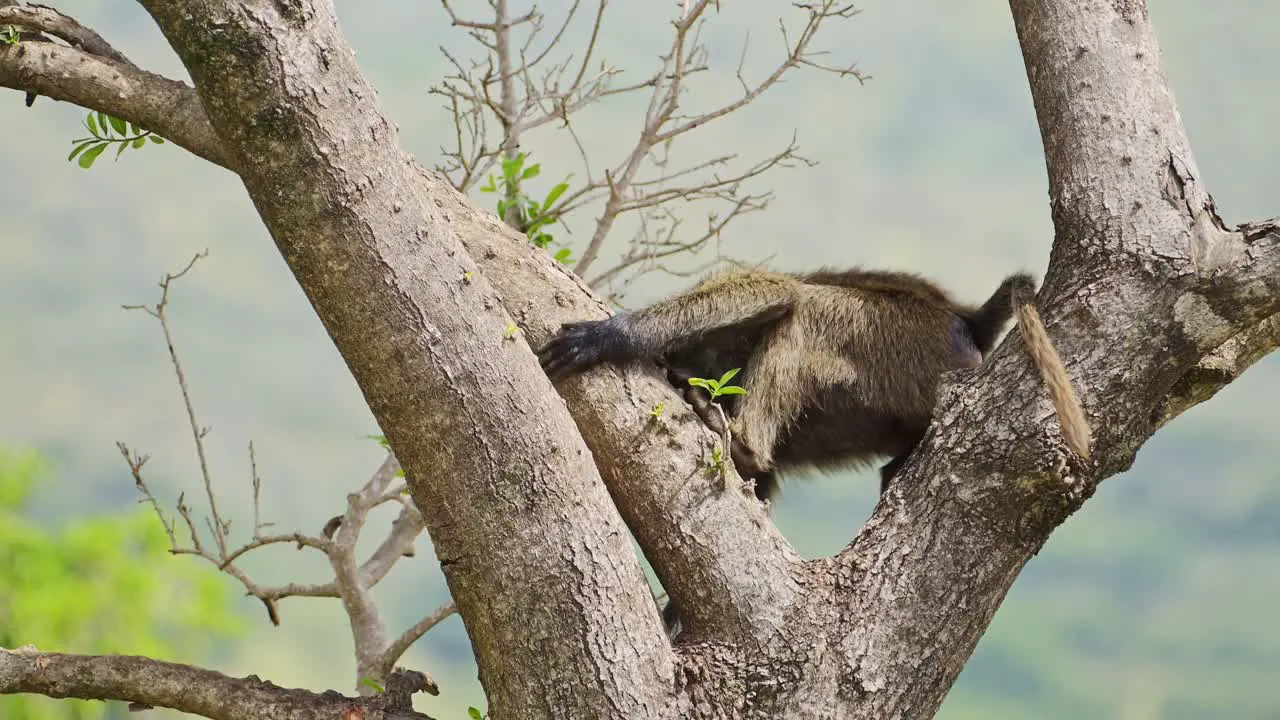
{"type": "Point", "coordinates": [1144, 287]}
{"type": "Point", "coordinates": [438, 360]}
{"type": "Point", "coordinates": [353, 582]}
{"type": "Point", "coordinates": [503, 90]}
{"type": "Point", "coordinates": [45, 19]}
{"type": "Point", "coordinates": [1145, 284]}
{"type": "Point", "coordinates": [717, 569]}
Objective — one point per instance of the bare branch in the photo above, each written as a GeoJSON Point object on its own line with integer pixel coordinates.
{"type": "Point", "coordinates": [220, 527]}
{"type": "Point", "coordinates": [351, 583]}
{"type": "Point", "coordinates": [146, 683]}
{"type": "Point", "coordinates": [797, 55]}
{"type": "Point", "coordinates": [663, 125]}
{"type": "Point", "coordinates": [48, 20]}
{"type": "Point", "coordinates": [647, 251]}
{"type": "Point", "coordinates": [400, 645]}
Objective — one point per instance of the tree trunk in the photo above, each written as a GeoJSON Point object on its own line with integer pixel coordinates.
{"type": "Point", "coordinates": [1151, 301]}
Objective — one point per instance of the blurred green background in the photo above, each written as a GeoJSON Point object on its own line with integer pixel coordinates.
{"type": "Point", "coordinates": [1157, 600]}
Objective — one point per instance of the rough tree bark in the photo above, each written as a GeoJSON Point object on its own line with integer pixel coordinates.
{"type": "Point", "coordinates": [1152, 301]}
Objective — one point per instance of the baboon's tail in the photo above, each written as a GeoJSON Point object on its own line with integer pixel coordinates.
{"type": "Point", "coordinates": [1075, 426]}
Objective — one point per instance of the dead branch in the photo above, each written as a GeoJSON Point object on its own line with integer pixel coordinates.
{"type": "Point", "coordinates": [486, 91]}
{"type": "Point", "coordinates": [352, 581]}
{"type": "Point", "coordinates": [145, 683]}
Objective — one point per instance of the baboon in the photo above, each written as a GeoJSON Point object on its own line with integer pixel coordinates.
{"type": "Point", "coordinates": [840, 366]}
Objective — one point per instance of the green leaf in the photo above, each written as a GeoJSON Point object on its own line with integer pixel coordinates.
{"type": "Point", "coordinates": [373, 684]}
{"type": "Point", "coordinates": [564, 255]}
{"type": "Point", "coordinates": [542, 240]}
{"type": "Point", "coordinates": [702, 383]}
{"type": "Point", "coordinates": [491, 187]}
{"type": "Point", "coordinates": [120, 126]}
{"type": "Point", "coordinates": [728, 376]}
{"type": "Point", "coordinates": [139, 141]}
{"type": "Point", "coordinates": [120, 150]}
{"type": "Point", "coordinates": [555, 194]}
{"type": "Point", "coordinates": [92, 124]}
{"type": "Point", "coordinates": [732, 390]}
{"type": "Point", "coordinates": [475, 714]}
{"type": "Point", "coordinates": [381, 440]}
{"type": "Point", "coordinates": [134, 129]}
{"type": "Point", "coordinates": [531, 172]}
{"type": "Point", "coordinates": [511, 168]}
{"type": "Point", "coordinates": [156, 139]}
{"type": "Point", "coordinates": [86, 160]}
{"type": "Point", "coordinates": [79, 148]}
{"type": "Point", "coordinates": [104, 125]}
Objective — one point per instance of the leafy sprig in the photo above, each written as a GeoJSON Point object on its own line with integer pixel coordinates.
{"type": "Point", "coordinates": [104, 131]}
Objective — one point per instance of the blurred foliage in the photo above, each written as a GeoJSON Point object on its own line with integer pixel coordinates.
{"type": "Point", "coordinates": [102, 584]}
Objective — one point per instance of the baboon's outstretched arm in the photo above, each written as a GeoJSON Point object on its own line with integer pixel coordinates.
{"type": "Point", "coordinates": [731, 302]}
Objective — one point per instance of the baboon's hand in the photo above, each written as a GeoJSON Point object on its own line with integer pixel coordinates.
{"type": "Point", "coordinates": [579, 346]}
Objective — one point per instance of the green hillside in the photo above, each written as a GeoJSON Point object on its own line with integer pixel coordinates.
{"type": "Point", "coordinates": [1155, 601]}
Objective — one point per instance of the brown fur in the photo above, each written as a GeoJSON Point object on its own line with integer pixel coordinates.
{"type": "Point", "coordinates": [840, 367]}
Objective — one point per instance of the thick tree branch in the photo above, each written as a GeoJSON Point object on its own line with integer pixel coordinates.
{"type": "Point", "coordinates": [1143, 284]}
{"type": "Point", "coordinates": [715, 551]}
{"type": "Point", "coordinates": [529, 541]}
{"type": "Point", "coordinates": [47, 20]}
{"type": "Point", "coordinates": [1221, 368]}
{"type": "Point", "coordinates": [144, 682]}
{"type": "Point", "coordinates": [1152, 302]}
{"type": "Point", "coordinates": [166, 107]}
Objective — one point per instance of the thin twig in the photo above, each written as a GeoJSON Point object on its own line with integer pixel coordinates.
{"type": "Point", "coordinates": [406, 639]}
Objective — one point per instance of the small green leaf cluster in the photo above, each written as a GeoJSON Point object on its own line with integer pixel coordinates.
{"type": "Point", "coordinates": [719, 387]}
{"type": "Point", "coordinates": [535, 215]}
{"type": "Point", "coordinates": [105, 131]}
{"type": "Point", "coordinates": [10, 35]}
{"type": "Point", "coordinates": [474, 713]}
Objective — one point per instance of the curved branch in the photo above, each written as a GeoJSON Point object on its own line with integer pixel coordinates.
{"type": "Point", "coordinates": [144, 683]}
{"type": "Point", "coordinates": [45, 19]}
{"type": "Point", "coordinates": [166, 107]}
{"type": "Point", "coordinates": [401, 644]}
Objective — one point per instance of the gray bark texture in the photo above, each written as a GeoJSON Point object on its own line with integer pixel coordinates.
{"type": "Point", "coordinates": [530, 498]}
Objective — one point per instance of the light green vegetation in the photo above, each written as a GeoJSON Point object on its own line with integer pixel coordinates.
{"type": "Point", "coordinates": [102, 583]}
